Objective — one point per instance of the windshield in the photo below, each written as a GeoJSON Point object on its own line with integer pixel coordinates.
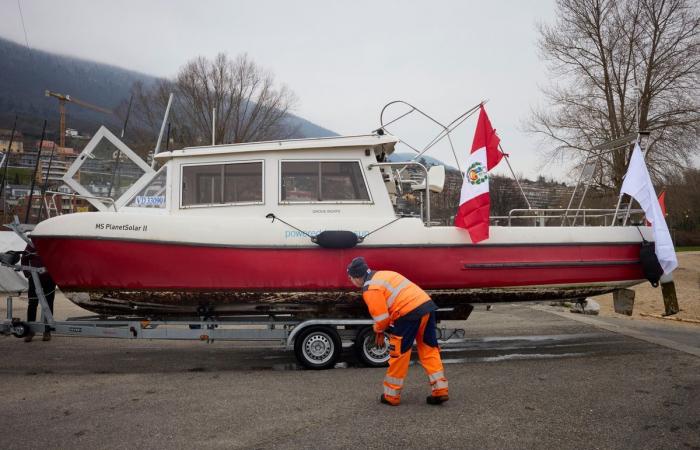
{"type": "Point", "coordinates": [153, 194]}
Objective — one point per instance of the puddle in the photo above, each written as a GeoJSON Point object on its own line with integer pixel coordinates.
{"type": "Point", "coordinates": [541, 338]}
{"type": "Point", "coordinates": [513, 356]}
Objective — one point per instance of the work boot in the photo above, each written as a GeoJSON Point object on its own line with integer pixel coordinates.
{"type": "Point", "coordinates": [439, 400]}
{"type": "Point", "coordinates": [383, 399]}
{"type": "Point", "coordinates": [28, 337]}
{"type": "Point", "coordinates": [46, 336]}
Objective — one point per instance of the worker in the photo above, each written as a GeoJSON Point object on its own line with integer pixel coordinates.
{"type": "Point", "coordinates": [407, 313]}
{"type": "Point", "coordinates": [31, 258]}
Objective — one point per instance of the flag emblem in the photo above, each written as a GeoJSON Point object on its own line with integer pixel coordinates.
{"type": "Point", "coordinates": [476, 173]}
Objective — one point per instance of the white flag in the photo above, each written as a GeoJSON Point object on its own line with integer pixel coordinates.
{"type": "Point", "coordinates": [638, 185]}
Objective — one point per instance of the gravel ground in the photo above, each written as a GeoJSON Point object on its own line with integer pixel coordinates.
{"type": "Point", "coordinates": [648, 300]}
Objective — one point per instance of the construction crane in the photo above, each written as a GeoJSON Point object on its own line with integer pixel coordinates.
{"type": "Point", "coordinates": [62, 99]}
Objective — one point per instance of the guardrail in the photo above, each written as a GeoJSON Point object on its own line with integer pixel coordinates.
{"type": "Point", "coordinates": [567, 216]}
{"type": "Point", "coordinates": [54, 194]}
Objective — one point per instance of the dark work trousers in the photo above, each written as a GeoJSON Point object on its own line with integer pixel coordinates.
{"type": "Point", "coordinates": [49, 288]}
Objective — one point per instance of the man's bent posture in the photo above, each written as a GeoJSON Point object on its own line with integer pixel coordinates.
{"type": "Point", "coordinates": [407, 313]}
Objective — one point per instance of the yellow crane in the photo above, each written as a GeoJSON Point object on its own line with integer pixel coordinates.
{"type": "Point", "coordinates": [62, 99]}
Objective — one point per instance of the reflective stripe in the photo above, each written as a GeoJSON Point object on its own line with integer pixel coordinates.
{"type": "Point", "coordinates": [436, 376]}
{"type": "Point", "coordinates": [390, 391]}
{"type": "Point", "coordinates": [395, 292]}
{"type": "Point", "coordinates": [380, 317]}
{"type": "Point", "coordinates": [393, 380]}
{"type": "Point", "coordinates": [386, 284]}
{"type": "Point", "coordinates": [440, 385]}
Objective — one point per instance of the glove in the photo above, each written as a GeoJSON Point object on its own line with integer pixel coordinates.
{"type": "Point", "coordinates": [379, 339]}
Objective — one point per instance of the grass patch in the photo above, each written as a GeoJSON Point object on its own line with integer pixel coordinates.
{"type": "Point", "coordinates": [690, 248]}
{"type": "Point", "coordinates": [18, 175]}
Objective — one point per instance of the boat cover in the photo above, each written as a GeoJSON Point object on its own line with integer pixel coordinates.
{"type": "Point", "coordinates": [11, 282]}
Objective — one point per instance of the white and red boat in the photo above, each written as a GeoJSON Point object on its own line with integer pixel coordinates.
{"type": "Point", "coordinates": [200, 232]}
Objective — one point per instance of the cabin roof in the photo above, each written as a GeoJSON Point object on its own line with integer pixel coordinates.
{"type": "Point", "coordinates": [368, 140]}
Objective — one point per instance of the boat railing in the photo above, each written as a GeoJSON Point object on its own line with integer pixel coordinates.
{"type": "Point", "coordinates": [57, 195]}
{"type": "Point", "coordinates": [566, 216]}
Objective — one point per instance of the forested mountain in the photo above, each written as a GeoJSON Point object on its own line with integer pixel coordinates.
{"type": "Point", "coordinates": [25, 75]}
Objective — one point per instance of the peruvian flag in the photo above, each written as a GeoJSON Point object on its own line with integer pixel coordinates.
{"type": "Point", "coordinates": [474, 200]}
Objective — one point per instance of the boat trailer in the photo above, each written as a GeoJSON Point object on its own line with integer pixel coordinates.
{"type": "Point", "coordinates": [317, 343]}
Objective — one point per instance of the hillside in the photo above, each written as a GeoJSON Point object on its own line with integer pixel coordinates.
{"type": "Point", "coordinates": [429, 160]}
{"type": "Point", "coordinates": [27, 74]}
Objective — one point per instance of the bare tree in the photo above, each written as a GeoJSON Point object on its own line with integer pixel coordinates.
{"type": "Point", "coordinates": [249, 105]}
{"type": "Point", "coordinates": [620, 66]}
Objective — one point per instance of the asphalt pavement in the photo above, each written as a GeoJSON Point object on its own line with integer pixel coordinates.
{"type": "Point", "coordinates": [522, 377]}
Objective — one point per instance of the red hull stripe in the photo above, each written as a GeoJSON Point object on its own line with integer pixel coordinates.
{"type": "Point", "coordinates": [133, 265]}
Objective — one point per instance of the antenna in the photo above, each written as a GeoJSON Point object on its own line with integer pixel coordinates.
{"type": "Point", "coordinates": [213, 126]}
{"type": "Point", "coordinates": [36, 168]}
{"type": "Point", "coordinates": [162, 130]}
{"type": "Point", "coordinates": [126, 119]}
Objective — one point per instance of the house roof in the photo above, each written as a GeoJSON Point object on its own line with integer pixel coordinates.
{"type": "Point", "coordinates": [5, 134]}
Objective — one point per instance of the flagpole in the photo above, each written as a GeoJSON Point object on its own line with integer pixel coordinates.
{"type": "Point", "coordinates": [638, 142]}
{"type": "Point", "coordinates": [644, 157]}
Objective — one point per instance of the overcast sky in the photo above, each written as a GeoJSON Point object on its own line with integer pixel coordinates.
{"type": "Point", "coordinates": [344, 60]}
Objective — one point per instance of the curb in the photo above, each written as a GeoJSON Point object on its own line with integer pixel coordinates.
{"type": "Point", "coordinates": [677, 319]}
{"type": "Point", "coordinates": [627, 331]}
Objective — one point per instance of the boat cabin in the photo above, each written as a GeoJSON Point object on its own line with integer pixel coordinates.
{"type": "Point", "coordinates": [324, 176]}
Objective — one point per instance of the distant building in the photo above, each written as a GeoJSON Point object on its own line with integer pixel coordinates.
{"type": "Point", "coordinates": [48, 146]}
{"type": "Point", "coordinates": [17, 141]}
{"type": "Point", "coordinates": [73, 134]}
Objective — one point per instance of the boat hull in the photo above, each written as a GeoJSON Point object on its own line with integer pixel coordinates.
{"type": "Point", "coordinates": [119, 275]}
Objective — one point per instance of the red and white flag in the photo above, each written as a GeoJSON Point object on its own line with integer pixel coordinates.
{"type": "Point", "coordinates": [474, 200]}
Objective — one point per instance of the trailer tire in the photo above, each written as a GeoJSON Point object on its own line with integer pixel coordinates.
{"type": "Point", "coordinates": [318, 347]}
{"type": "Point", "coordinates": [20, 330]}
{"type": "Point", "coordinates": [366, 350]}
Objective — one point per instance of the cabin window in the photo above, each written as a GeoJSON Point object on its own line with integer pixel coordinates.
{"type": "Point", "coordinates": [153, 195]}
{"type": "Point", "coordinates": [322, 181]}
{"type": "Point", "coordinates": [217, 184]}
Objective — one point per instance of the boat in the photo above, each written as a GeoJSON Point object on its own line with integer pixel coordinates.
{"type": "Point", "coordinates": [269, 227]}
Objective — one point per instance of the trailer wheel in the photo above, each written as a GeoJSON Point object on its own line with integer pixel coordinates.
{"type": "Point", "coordinates": [318, 347]}
{"type": "Point", "coordinates": [368, 352]}
{"type": "Point", "coordinates": [20, 329]}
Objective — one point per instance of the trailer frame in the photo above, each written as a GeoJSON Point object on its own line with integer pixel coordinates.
{"type": "Point", "coordinates": [317, 342]}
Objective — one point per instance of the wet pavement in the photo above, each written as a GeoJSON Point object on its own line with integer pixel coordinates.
{"type": "Point", "coordinates": [522, 377]}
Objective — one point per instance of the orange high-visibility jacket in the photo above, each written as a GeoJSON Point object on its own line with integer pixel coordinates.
{"type": "Point", "coordinates": [390, 295]}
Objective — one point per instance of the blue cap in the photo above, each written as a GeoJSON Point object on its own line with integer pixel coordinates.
{"type": "Point", "coordinates": [358, 267]}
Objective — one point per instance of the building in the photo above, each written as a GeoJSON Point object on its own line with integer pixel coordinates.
{"type": "Point", "coordinates": [48, 146]}
{"type": "Point", "coordinates": [17, 141]}
{"type": "Point", "coordinates": [54, 169]}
